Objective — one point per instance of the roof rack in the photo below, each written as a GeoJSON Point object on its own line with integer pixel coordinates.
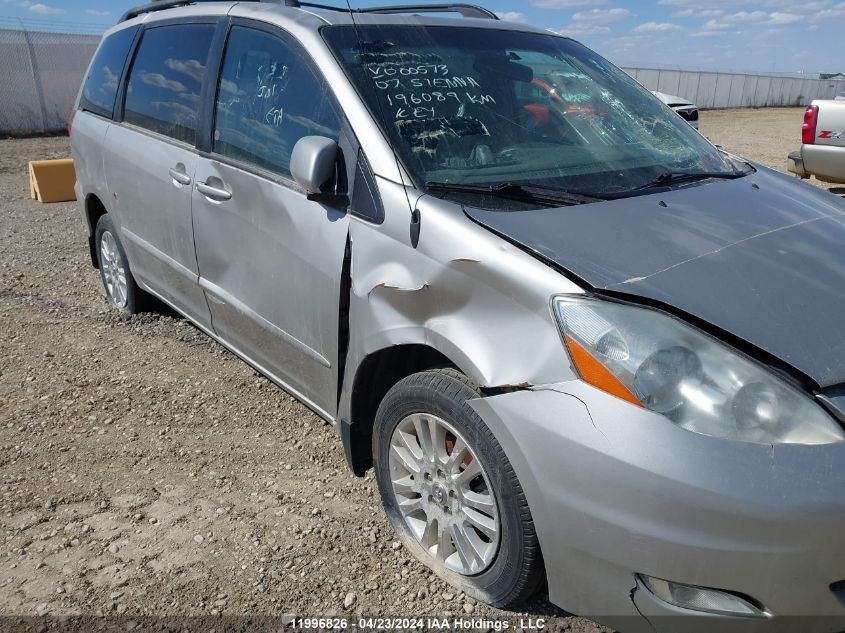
{"type": "Point", "coordinates": [158, 5]}
{"type": "Point", "coordinates": [466, 10]}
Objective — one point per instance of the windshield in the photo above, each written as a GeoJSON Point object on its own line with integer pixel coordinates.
{"type": "Point", "coordinates": [487, 107]}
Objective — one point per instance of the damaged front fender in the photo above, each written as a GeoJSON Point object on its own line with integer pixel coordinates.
{"type": "Point", "coordinates": [476, 299]}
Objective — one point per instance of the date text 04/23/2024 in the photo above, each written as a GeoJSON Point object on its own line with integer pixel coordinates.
{"type": "Point", "coordinates": [410, 624]}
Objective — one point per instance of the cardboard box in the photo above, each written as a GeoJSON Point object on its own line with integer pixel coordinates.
{"type": "Point", "coordinates": [52, 180]}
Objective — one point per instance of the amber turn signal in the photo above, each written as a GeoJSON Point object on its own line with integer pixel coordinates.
{"type": "Point", "coordinates": [593, 372]}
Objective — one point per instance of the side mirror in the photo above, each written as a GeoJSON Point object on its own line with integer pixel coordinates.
{"type": "Point", "coordinates": [312, 162]}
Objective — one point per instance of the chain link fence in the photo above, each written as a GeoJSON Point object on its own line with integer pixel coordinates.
{"type": "Point", "coordinates": [40, 74]}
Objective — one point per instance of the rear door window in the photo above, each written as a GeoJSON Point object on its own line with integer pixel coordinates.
{"type": "Point", "coordinates": [268, 99]}
{"type": "Point", "coordinates": [101, 84]}
{"type": "Point", "coordinates": [165, 83]}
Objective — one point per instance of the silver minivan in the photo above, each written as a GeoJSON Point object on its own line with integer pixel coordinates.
{"type": "Point", "coordinates": [581, 347]}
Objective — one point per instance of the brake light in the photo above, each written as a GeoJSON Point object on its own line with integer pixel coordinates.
{"type": "Point", "coordinates": [70, 121]}
{"type": "Point", "coordinates": [808, 129]}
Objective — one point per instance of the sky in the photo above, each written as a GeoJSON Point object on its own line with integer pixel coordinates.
{"type": "Point", "coordinates": [740, 35]}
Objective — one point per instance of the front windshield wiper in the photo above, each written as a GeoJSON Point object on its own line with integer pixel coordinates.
{"type": "Point", "coordinates": [672, 177]}
{"type": "Point", "coordinates": [516, 191]}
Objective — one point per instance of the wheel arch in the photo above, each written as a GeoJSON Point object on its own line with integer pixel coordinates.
{"type": "Point", "coordinates": [374, 377]}
{"type": "Point", "coordinates": [94, 210]}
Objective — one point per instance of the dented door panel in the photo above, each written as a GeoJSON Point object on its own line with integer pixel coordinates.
{"type": "Point", "coordinates": [270, 263]}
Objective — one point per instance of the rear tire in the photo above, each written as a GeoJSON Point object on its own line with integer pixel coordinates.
{"type": "Point", "coordinates": [474, 531]}
{"type": "Point", "coordinates": [122, 292]}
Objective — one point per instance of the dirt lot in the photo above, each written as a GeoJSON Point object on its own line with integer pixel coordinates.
{"type": "Point", "coordinates": [148, 472]}
{"type": "Point", "coordinates": [766, 135]}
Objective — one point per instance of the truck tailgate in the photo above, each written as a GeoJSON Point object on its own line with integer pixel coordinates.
{"type": "Point", "coordinates": [825, 157]}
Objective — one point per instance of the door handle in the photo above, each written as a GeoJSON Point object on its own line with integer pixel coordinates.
{"type": "Point", "coordinates": [179, 176]}
{"type": "Point", "coordinates": [215, 193]}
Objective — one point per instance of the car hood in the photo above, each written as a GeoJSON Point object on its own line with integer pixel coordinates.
{"type": "Point", "coordinates": [672, 99]}
{"type": "Point", "coordinates": [761, 257]}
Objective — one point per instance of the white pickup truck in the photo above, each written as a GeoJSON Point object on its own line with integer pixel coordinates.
{"type": "Point", "coordinates": [822, 152]}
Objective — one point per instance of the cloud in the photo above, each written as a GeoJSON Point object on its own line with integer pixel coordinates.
{"type": "Point", "coordinates": [181, 113]}
{"type": "Point", "coordinates": [111, 79]}
{"type": "Point", "coordinates": [229, 86]}
{"type": "Point", "coordinates": [745, 16]}
{"type": "Point", "coordinates": [784, 18]}
{"type": "Point", "coordinates": [697, 3]}
{"type": "Point", "coordinates": [741, 17]}
{"type": "Point", "coordinates": [601, 15]}
{"type": "Point", "coordinates": [580, 30]}
{"type": "Point", "coordinates": [697, 13]}
{"type": "Point", "coordinates": [96, 12]}
{"type": "Point", "coordinates": [511, 16]}
{"type": "Point", "coordinates": [656, 27]}
{"type": "Point", "coordinates": [732, 20]}
{"type": "Point", "coordinates": [160, 81]}
{"type": "Point", "coordinates": [567, 4]}
{"type": "Point", "coordinates": [46, 10]}
{"type": "Point", "coordinates": [834, 12]}
{"type": "Point", "coordinates": [791, 5]}
{"type": "Point", "coordinates": [190, 67]}
{"type": "Point", "coordinates": [627, 43]}
{"type": "Point", "coordinates": [712, 33]}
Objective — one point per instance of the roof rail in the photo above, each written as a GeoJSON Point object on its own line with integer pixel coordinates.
{"type": "Point", "coordinates": [157, 5]}
{"type": "Point", "coordinates": [466, 10]}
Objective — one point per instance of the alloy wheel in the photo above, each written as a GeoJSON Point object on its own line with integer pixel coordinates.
{"type": "Point", "coordinates": [444, 494]}
{"type": "Point", "coordinates": [114, 270]}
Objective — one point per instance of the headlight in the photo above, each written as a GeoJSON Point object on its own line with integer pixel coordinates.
{"type": "Point", "coordinates": [657, 362]}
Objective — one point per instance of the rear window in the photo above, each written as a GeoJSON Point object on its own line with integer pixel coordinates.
{"type": "Point", "coordinates": [100, 90]}
{"type": "Point", "coordinates": [165, 83]}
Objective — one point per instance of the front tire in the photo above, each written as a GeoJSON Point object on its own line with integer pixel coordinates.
{"type": "Point", "coordinates": [450, 492]}
{"type": "Point", "coordinates": [121, 290]}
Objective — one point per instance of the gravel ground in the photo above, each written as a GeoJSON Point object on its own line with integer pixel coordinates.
{"type": "Point", "coordinates": [146, 471]}
{"type": "Point", "coordinates": [765, 135]}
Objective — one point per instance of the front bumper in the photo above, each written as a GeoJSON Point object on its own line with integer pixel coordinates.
{"type": "Point", "coordinates": [615, 491]}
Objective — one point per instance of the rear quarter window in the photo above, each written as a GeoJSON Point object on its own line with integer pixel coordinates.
{"type": "Point", "coordinates": [100, 88]}
{"type": "Point", "coordinates": [165, 83]}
